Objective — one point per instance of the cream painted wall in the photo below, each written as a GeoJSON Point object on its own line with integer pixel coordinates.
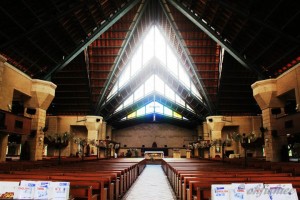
{"type": "Point", "coordinates": [238, 124]}
{"type": "Point", "coordinates": [13, 79]}
{"type": "Point", "coordinates": [71, 124]}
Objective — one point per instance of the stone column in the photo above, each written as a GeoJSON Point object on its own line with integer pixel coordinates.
{"type": "Point", "coordinates": [103, 131]}
{"type": "Point", "coordinates": [215, 124]}
{"type": "Point", "coordinates": [3, 146]}
{"type": "Point", "coordinates": [265, 94]}
{"type": "Point", "coordinates": [93, 123]}
{"type": "Point", "coordinates": [109, 135]}
{"type": "Point", "coordinates": [2, 61]}
{"type": "Point", "coordinates": [3, 137]}
{"type": "Point", "coordinates": [109, 131]}
{"type": "Point", "coordinates": [42, 94]}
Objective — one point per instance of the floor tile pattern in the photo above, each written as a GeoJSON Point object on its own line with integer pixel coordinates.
{"type": "Point", "coordinates": [152, 184]}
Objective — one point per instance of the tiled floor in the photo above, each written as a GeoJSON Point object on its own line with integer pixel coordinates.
{"type": "Point", "coordinates": [152, 184]}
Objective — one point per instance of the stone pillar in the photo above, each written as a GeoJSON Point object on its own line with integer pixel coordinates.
{"type": "Point", "coordinates": [109, 131]}
{"type": "Point", "coordinates": [93, 123]}
{"type": "Point", "coordinates": [2, 61]}
{"type": "Point", "coordinates": [42, 94]}
{"type": "Point", "coordinates": [3, 137]}
{"type": "Point", "coordinates": [265, 94]}
{"type": "Point", "coordinates": [206, 135]}
{"type": "Point", "coordinates": [103, 131]}
{"type": "Point", "coordinates": [3, 146]}
{"type": "Point", "coordinates": [200, 135]}
{"type": "Point", "coordinates": [215, 124]}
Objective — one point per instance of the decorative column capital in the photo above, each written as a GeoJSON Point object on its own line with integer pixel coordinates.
{"type": "Point", "coordinates": [93, 122]}
{"type": "Point", "coordinates": [265, 94]}
{"type": "Point", "coordinates": [42, 94]}
{"type": "Point", "coordinates": [215, 123]}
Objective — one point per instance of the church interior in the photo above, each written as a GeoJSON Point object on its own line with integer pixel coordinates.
{"type": "Point", "coordinates": [113, 88]}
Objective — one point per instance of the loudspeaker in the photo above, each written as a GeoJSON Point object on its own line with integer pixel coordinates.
{"type": "Point", "coordinates": [31, 111]}
{"type": "Point", "coordinates": [210, 120]}
{"type": "Point", "coordinates": [275, 111]}
{"type": "Point", "coordinates": [97, 120]}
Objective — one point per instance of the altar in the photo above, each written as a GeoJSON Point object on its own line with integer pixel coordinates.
{"type": "Point", "coordinates": [153, 155]}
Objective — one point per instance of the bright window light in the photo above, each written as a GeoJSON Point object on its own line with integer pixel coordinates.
{"type": "Point", "coordinates": [124, 78]}
{"type": "Point", "coordinates": [141, 112]}
{"type": "Point", "coordinates": [177, 115]}
{"type": "Point", "coordinates": [159, 85]}
{"type": "Point", "coordinates": [149, 85]}
{"type": "Point", "coordinates": [148, 47]}
{"type": "Point", "coordinates": [150, 108]}
{"type": "Point", "coordinates": [160, 46]}
{"type": "Point", "coordinates": [136, 63]}
{"type": "Point", "coordinates": [128, 101]}
{"type": "Point", "coordinates": [154, 45]}
{"type": "Point", "coordinates": [167, 111]}
{"type": "Point", "coordinates": [132, 115]}
{"type": "Point", "coordinates": [139, 93]}
{"type": "Point", "coordinates": [159, 108]}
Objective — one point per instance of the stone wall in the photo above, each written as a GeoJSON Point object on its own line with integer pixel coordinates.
{"type": "Point", "coordinates": [162, 134]}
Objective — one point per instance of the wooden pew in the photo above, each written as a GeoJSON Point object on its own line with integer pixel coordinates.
{"type": "Point", "coordinates": [116, 175]}
{"type": "Point", "coordinates": [82, 192]}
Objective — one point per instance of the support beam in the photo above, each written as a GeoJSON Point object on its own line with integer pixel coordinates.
{"type": "Point", "coordinates": [119, 59]}
{"type": "Point", "coordinates": [154, 67]}
{"type": "Point", "coordinates": [100, 30]}
{"type": "Point", "coordinates": [189, 60]}
{"type": "Point", "coordinates": [206, 29]}
{"type": "Point", "coordinates": [158, 98]}
{"type": "Point", "coordinates": [259, 21]}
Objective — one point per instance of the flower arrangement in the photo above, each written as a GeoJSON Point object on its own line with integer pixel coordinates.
{"type": "Point", "coordinates": [58, 140]}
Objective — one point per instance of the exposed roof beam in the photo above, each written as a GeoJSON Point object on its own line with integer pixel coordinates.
{"type": "Point", "coordinates": [46, 31]}
{"type": "Point", "coordinates": [117, 99]}
{"type": "Point", "coordinates": [180, 89]}
{"type": "Point", "coordinates": [24, 30]}
{"type": "Point", "coordinates": [159, 119]}
{"type": "Point", "coordinates": [175, 107]}
{"type": "Point", "coordinates": [154, 96]}
{"type": "Point", "coordinates": [206, 29]}
{"type": "Point", "coordinates": [189, 59]}
{"type": "Point", "coordinates": [259, 21]}
{"type": "Point", "coordinates": [100, 30]}
{"type": "Point", "coordinates": [261, 28]}
{"type": "Point", "coordinates": [119, 58]}
{"type": "Point", "coordinates": [40, 25]}
{"type": "Point", "coordinates": [283, 56]}
{"type": "Point", "coordinates": [152, 68]}
{"type": "Point", "coordinates": [266, 48]}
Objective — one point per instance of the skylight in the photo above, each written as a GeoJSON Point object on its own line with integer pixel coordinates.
{"type": "Point", "coordinates": [154, 45]}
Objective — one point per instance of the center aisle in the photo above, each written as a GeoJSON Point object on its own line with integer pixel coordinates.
{"type": "Point", "coordinates": [152, 184]}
